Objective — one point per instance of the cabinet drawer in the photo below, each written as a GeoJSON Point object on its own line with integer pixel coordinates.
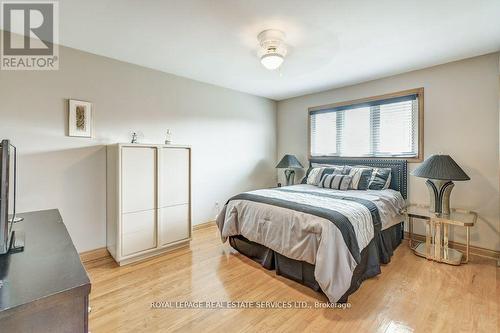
{"type": "Point", "coordinates": [138, 231]}
{"type": "Point", "coordinates": [174, 224]}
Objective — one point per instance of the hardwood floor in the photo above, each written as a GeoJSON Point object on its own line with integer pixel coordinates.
{"type": "Point", "coordinates": [411, 295]}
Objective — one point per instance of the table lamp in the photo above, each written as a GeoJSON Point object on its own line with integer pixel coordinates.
{"type": "Point", "coordinates": [289, 163]}
{"type": "Point", "coordinates": [440, 171]}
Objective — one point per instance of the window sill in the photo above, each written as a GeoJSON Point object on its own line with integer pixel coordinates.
{"type": "Point", "coordinates": [416, 159]}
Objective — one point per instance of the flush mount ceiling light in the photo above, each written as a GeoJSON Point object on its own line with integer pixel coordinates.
{"type": "Point", "coordinates": [273, 48]}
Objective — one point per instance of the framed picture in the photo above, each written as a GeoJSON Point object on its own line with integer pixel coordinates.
{"type": "Point", "coordinates": [80, 119]}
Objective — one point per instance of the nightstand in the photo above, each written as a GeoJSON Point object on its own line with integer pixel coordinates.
{"type": "Point", "coordinates": [437, 226]}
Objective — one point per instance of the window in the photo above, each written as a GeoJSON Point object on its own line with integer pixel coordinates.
{"type": "Point", "coordinates": [383, 126]}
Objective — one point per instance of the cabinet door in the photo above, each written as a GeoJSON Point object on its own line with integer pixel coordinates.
{"type": "Point", "coordinates": [138, 179]}
{"type": "Point", "coordinates": [174, 175]}
{"type": "Point", "coordinates": [175, 224]}
{"type": "Point", "coordinates": [138, 231]}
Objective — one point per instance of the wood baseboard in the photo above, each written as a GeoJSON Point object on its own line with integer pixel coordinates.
{"type": "Point", "coordinates": [204, 225]}
{"type": "Point", "coordinates": [96, 254]}
{"type": "Point", "coordinates": [475, 250]}
{"type": "Point", "coordinates": [103, 253]}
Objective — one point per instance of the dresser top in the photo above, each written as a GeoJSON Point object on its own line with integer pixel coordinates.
{"type": "Point", "coordinates": [48, 265]}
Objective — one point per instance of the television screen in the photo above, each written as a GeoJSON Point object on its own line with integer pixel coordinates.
{"type": "Point", "coordinates": [7, 193]}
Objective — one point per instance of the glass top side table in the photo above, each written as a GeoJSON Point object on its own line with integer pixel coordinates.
{"type": "Point", "coordinates": [437, 226]}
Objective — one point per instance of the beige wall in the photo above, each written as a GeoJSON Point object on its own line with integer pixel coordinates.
{"type": "Point", "coordinates": [233, 136]}
{"type": "Point", "coordinates": [461, 119]}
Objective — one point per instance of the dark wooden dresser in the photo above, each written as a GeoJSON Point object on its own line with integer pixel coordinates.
{"type": "Point", "coordinates": [44, 288]}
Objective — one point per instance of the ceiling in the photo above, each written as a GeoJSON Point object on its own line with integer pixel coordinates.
{"type": "Point", "coordinates": [331, 43]}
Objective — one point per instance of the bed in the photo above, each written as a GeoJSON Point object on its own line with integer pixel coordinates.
{"type": "Point", "coordinates": [328, 240]}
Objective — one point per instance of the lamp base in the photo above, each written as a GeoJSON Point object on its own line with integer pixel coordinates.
{"type": "Point", "coordinates": [439, 193]}
{"type": "Point", "coordinates": [289, 176]}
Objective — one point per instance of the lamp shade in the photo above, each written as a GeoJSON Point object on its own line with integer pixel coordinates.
{"type": "Point", "coordinates": [289, 161]}
{"type": "Point", "coordinates": [441, 167]}
{"type": "Point", "coordinates": [272, 61]}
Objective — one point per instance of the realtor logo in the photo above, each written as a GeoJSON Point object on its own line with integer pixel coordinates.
{"type": "Point", "coordinates": [30, 35]}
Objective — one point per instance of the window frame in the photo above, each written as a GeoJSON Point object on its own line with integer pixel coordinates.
{"type": "Point", "coordinates": [420, 135]}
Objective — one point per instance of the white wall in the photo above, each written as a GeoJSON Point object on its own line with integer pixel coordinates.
{"type": "Point", "coordinates": [461, 119]}
{"type": "Point", "coordinates": [233, 136]}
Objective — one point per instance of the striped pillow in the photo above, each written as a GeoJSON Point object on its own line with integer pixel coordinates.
{"type": "Point", "coordinates": [315, 174]}
{"type": "Point", "coordinates": [380, 179]}
{"type": "Point", "coordinates": [338, 169]}
{"type": "Point", "coordinates": [361, 177]}
{"type": "Point", "coordinates": [335, 182]}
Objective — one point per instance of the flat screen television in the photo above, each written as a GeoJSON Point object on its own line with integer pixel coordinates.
{"type": "Point", "coordinates": [7, 196]}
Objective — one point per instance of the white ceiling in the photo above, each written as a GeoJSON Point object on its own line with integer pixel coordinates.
{"type": "Point", "coordinates": [331, 43]}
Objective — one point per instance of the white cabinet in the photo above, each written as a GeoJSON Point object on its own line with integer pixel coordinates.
{"type": "Point", "coordinates": [148, 199]}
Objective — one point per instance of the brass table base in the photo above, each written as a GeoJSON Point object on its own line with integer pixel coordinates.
{"type": "Point", "coordinates": [448, 256]}
{"type": "Point", "coordinates": [437, 231]}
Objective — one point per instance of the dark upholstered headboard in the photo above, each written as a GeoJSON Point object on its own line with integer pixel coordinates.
{"type": "Point", "coordinates": [399, 178]}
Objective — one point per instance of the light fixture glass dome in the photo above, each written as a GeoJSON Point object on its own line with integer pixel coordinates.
{"type": "Point", "coordinates": [271, 61]}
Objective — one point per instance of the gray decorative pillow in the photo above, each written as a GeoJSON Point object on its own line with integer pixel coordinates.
{"type": "Point", "coordinates": [332, 170]}
{"type": "Point", "coordinates": [314, 175]}
{"type": "Point", "coordinates": [304, 180]}
{"type": "Point", "coordinates": [342, 169]}
{"type": "Point", "coordinates": [361, 177]}
{"type": "Point", "coordinates": [335, 182]}
{"type": "Point", "coordinates": [380, 179]}
{"type": "Point", "coordinates": [347, 169]}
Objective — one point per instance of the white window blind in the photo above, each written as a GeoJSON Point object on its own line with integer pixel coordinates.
{"type": "Point", "coordinates": [381, 128]}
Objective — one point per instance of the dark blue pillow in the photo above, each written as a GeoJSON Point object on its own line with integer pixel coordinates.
{"type": "Point", "coordinates": [361, 177]}
{"type": "Point", "coordinates": [380, 179]}
{"type": "Point", "coordinates": [304, 180]}
{"type": "Point", "coordinates": [364, 181]}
